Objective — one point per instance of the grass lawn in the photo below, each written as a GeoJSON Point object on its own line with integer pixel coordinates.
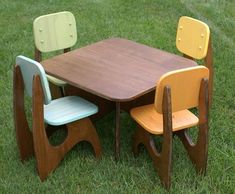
{"type": "Point", "coordinates": [152, 22]}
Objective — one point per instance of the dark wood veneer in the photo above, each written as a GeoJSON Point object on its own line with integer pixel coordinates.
{"type": "Point", "coordinates": [115, 69]}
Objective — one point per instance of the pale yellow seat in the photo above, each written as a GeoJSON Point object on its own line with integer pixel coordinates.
{"type": "Point", "coordinates": [56, 81]}
{"type": "Point", "coordinates": [176, 93]}
{"type": "Point", "coordinates": [52, 32]}
{"type": "Point", "coordinates": [152, 121]}
{"type": "Point", "coordinates": [193, 39]}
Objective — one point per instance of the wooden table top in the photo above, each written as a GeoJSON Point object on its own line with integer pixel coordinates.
{"type": "Point", "coordinates": [115, 69]}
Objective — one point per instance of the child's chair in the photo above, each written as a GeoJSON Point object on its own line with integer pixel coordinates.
{"type": "Point", "coordinates": [71, 111]}
{"type": "Point", "coordinates": [193, 39]}
{"type": "Point", "coordinates": [176, 92]}
{"type": "Point", "coordinates": [52, 32]}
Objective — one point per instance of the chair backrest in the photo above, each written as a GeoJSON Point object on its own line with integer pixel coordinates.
{"type": "Point", "coordinates": [185, 87]}
{"type": "Point", "coordinates": [55, 31]}
{"type": "Point", "coordinates": [192, 37]}
{"type": "Point", "coordinates": [29, 68]}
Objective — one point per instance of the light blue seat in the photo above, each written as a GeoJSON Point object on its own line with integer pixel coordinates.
{"type": "Point", "coordinates": [68, 109]}
{"type": "Point", "coordinates": [71, 111]}
{"type": "Point", "coordinates": [59, 111]}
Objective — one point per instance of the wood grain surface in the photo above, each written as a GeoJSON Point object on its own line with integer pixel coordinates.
{"type": "Point", "coordinates": [115, 69]}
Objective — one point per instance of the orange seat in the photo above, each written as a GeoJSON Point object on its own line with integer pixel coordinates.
{"type": "Point", "coordinates": [152, 121]}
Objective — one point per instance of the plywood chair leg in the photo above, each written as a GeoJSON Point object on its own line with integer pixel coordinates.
{"type": "Point", "coordinates": [143, 137]}
{"type": "Point", "coordinates": [209, 64]}
{"type": "Point", "coordinates": [48, 157]}
{"type": "Point", "coordinates": [83, 130]}
{"type": "Point", "coordinates": [23, 134]}
{"type": "Point", "coordinates": [162, 161]}
{"type": "Point", "coordinates": [198, 152]}
{"type": "Point", "coordinates": [50, 129]}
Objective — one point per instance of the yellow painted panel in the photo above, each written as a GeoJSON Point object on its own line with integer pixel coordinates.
{"type": "Point", "coordinates": [192, 37]}
{"type": "Point", "coordinates": [55, 31]}
{"type": "Point", "coordinates": [185, 86]}
{"type": "Point", "coordinates": [56, 81]}
{"type": "Point", "coordinates": [152, 121]}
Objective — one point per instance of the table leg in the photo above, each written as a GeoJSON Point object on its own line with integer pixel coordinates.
{"type": "Point", "coordinates": [117, 131]}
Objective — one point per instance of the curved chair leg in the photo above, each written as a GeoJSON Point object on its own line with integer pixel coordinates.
{"type": "Point", "coordinates": [197, 152]}
{"type": "Point", "coordinates": [209, 64]}
{"type": "Point", "coordinates": [23, 134]}
{"type": "Point", "coordinates": [50, 129]}
{"type": "Point", "coordinates": [143, 137]}
{"type": "Point", "coordinates": [83, 130]}
{"type": "Point", "coordinates": [48, 157]}
{"type": "Point", "coordinates": [162, 161]}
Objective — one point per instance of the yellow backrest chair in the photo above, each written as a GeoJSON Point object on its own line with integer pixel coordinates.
{"type": "Point", "coordinates": [193, 39]}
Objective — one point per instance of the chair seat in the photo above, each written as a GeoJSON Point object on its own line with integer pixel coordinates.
{"type": "Point", "coordinates": [56, 81]}
{"type": "Point", "coordinates": [68, 109]}
{"type": "Point", "coordinates": [152, 121]}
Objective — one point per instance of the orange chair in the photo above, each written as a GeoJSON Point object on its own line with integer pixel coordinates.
{"type": "Point", "coordinates": [176, 92]}
{"type": "Point", "coordinates": [193, 39]}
